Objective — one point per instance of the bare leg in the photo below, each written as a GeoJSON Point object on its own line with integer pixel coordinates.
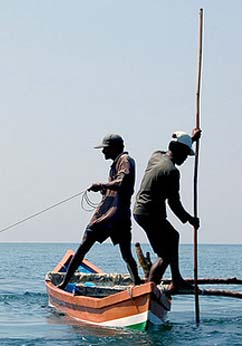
{"type": "Point", "coordinates": [174, 260]}
{"type": "Point", "coordinates": [125, 249]}
{"type": "Point", "coordinates": [157, 270]}
{"type": "Point", "coordinates": [167, 256]}
{"type": "Point", "coordinates": [178, 283]}
{"type": "Point", "coordinates": [76, 260]}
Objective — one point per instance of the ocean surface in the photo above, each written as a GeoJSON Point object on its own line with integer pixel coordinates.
{"type": "Point", "coordinates": [26, 319]}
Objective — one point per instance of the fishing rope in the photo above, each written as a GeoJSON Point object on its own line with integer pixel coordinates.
{"type": "Point", "coordinates": [84, 199]}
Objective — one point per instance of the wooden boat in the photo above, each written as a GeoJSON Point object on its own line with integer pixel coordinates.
{"type": "Point", "coordinates": [109, 300]}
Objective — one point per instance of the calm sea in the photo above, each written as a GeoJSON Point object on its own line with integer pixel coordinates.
{"type": "Point", "coordinates": [26, 319]}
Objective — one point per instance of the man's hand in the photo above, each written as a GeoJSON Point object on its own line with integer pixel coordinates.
{"type": "Point", "coordinates": [194, 221]}
{"type": "Point", "coordinates": [95, 187]}
{"type": "Point", "coordinates": [196, 134]}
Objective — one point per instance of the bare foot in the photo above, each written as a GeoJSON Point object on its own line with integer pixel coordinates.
{"type": "Point", "coordinates": [180, 287]}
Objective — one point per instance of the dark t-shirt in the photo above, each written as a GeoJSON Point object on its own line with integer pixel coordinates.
{"type": "Point", "coordinates": [160, 184]}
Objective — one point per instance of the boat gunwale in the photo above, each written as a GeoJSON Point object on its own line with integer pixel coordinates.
{"type": "Point", "coordinates": [132, 292]}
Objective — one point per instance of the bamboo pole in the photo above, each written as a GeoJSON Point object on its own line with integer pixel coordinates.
{"type": "Point", "coordinates": [209, 281]}
{"type": "Point", "coordinates": [197, 314]}
{"type": "Point", "coordinates": [223, 293]}
{"type": "Point", "coordinates": [212, 292]}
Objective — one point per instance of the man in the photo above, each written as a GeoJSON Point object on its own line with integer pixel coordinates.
{"type": "Point", "coordinates": [113, 216]}
{"type": "Point", "coordinates": [160, 184]}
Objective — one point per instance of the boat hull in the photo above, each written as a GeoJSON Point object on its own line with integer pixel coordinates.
{"type": "Point", "coordinates": [133, 307]}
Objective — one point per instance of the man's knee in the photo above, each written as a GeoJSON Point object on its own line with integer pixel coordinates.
{"type": "Point", "coordinates": [159, 261]}
{"type": "Point", "coordinates": [162, 260]}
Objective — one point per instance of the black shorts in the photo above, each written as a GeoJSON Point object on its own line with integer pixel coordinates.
{"type": "Point", "coordinates": [118, 233]}
{"type": "Point", "coordinates": [161, 234]}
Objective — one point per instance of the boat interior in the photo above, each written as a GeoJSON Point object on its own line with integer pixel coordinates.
{"type": "Point", "coordinates": [97, 285]}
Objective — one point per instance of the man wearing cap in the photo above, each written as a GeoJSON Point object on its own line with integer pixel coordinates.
{"type": "Point", "coordinates": [160, 184]}
{"type": "Point", "coordinates": [112, 217]}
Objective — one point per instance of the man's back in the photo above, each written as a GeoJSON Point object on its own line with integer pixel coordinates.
{"type": "Point", "coordinates": [123, 172]}
{"type": "Point", "coordinates": [160, 180]}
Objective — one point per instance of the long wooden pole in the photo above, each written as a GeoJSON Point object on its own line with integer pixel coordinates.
{"type": "Point", "coordinates": [214, 292]}
{"type": "Point", "coordinates": [197, 313]}
{"type": "Point", "coordinates": [208, 281]}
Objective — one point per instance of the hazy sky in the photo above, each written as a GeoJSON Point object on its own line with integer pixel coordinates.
{"type": "Point", "coordinates": [73, 71]}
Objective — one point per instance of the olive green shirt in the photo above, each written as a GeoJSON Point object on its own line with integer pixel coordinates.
{"type": "Point", "coordinates": [160, 184]}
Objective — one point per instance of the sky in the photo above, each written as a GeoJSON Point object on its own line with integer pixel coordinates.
{"type": "Point", "coordinates": [74, 71]}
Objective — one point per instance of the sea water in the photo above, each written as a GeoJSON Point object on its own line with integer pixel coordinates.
{"type": "Point", "coordinates": [26, 319]}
